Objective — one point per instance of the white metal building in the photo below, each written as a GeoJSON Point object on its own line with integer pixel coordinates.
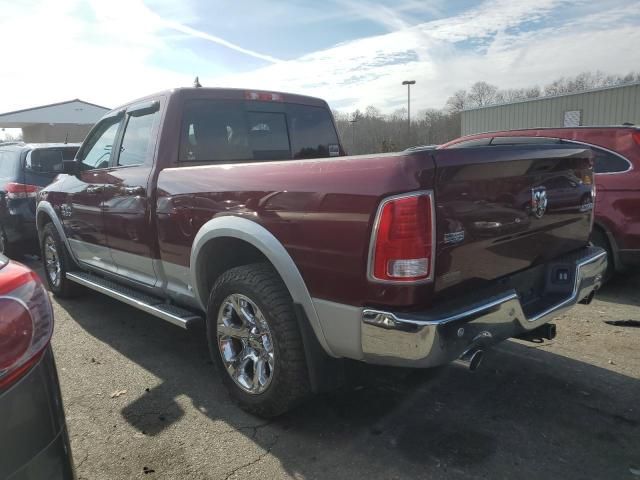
{"type": "Point", "coordinates": [602, 106]}
{"type": "Point", "coordinates": [58, 122]}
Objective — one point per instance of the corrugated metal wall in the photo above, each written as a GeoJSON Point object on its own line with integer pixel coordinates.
{"type": "Point", "coordinates": [609, 106]}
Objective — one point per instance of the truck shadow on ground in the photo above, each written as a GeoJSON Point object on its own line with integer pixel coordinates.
{"type": "Point", "coordinates": [623, 288]}
{"type": "Point", "coordinates": [526, 410]}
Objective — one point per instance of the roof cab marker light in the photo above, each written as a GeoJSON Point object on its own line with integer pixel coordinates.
{"type": "Point", "coordinates": [402, 243]}
{"type": "Point", "coordinates": [264, 96]}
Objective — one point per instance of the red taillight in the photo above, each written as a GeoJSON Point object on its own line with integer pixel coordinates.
{"type": "Point", "coordinates": [16, 330]}
{"type": "Point", "coordinates": [402, 248]}
{"type": "Point", "coordinates": [26, 322]}
{"type": "Point", "coordinates": [636, 136]}
{"type": "Point", "coordinates": [264, 96]}
{"type": "Point", "coordinates": [21, 190]}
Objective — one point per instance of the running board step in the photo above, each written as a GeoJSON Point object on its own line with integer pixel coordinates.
{"type": "Point", "coordinates": [147, 303]}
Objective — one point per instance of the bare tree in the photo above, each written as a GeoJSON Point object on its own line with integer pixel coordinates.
{"type": "Point", "coordinates": [457, 102]}
{"type": "Point", "coordinates": [374, 131]}
{"type": "Point", "coordinates": [372, 112]}
{"type": "Point", "coordinates": [8, 137]}
{"type": "Point", "coordinates": [516, 94]}
{"type": "Point", "coordinates": [586, 81]}
{"type": "Point", "coordinates": [532, 92]}
{"type": "Point", "coordinates": [482, 94]}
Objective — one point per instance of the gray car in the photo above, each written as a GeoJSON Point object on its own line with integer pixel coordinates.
{"type": "Point", "coordinates": [34, 443]}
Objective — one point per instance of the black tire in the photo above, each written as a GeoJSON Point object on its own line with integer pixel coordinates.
{"type": "Point", "coordinates": [62, 287]}
{"type": "Point", "coordinates": [599, 239]}
{"type": "Point", "coordinates": [289, 382]}
{"type": "Point", "coordinates": [10, 250]}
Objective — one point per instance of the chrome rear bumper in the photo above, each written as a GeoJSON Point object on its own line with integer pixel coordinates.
{"type": "Point", "coordinates": [436, 337]}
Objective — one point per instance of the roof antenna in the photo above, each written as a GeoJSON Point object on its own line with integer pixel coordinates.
{"type": "Point", "coordinates": [196, 83]}
{"type": "Point", "coordinates": [66, 138]}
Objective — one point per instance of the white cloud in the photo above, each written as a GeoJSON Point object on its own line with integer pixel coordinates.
{"type": "Point", "coordinates": [366, 71]}
{"type": "Point", "coordinates": [111, 52]}
{"type": "Point", "coordinates": [102, 52]}
{"type": "Point", "coordinates": [389, 17]}
{"type": "Point", "coordinates": [192, 32]}
{"type": "Point", "coordinates": [62, 56]}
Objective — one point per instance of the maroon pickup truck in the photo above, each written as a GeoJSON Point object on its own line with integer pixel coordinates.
{"type": "Point", "coordinates": [240, 210]}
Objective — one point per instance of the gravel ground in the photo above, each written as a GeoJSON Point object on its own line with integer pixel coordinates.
{"type": "Point", "coordinates": [568, 408]}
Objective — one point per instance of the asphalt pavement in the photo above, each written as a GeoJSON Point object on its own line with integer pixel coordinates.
{"type": "Point", "coordinates": [143, 401]}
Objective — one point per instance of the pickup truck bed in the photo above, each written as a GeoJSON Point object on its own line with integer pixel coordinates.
{"type": "Point", "coordinates": [242, 209]}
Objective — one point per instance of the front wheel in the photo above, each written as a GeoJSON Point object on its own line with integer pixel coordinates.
{"type": "Point", "coordinates": [56, 263]}
{"type": "Point", "coordinates": [255, 341]}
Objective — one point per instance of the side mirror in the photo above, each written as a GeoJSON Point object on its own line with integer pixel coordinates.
{"type": "Point", "coordinates": [70, 167]}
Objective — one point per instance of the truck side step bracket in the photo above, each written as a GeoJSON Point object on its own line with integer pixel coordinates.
{"type": "Point", "coordinates": [147, 303]}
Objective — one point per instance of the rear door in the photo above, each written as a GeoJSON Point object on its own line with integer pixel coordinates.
{"type": "Point", "coordinates": [502, 209]}
{"type": "Point", "coordinates": [127, 217]}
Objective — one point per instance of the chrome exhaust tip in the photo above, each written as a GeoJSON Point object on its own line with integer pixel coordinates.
{"type": "Point", "coordinates": [471, 359]}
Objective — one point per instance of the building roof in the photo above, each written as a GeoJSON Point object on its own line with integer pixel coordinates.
{"type": "Point", "coordinates": [549, 97]}
{"type": "Point", "coordinates": [76, 112]}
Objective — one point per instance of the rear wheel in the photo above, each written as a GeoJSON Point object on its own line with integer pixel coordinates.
{"type": "Point", "coordinates": [56, 263]}
{"type": "Point", "coordinates": [255, 341]}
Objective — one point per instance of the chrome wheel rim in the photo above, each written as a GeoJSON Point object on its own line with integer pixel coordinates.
{"type": "Point", "coordinates": [245, 344]}
{"type": "Point", "coordinates": [52, 261]}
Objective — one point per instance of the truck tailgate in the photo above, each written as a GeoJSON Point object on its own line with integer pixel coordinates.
{"type": "Point", "coordinates": [502, 209]}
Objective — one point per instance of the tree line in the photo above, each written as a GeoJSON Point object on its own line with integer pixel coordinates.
{"type": "Point", "coordinates": [371, 131]}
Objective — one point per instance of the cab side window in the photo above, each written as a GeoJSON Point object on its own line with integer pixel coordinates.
{"type": "Point", "coordinates": [97, 150]}
{"type": "Point", "coordinates": [137, 139]}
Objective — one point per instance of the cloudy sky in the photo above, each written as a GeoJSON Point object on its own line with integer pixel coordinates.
{"type": "Point", "coordinates": [353, 53]}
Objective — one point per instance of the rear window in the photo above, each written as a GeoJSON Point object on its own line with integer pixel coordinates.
{"type": "Point", "coordinates": [48, 161]}
{"type": "Point", "coordinates": [604, 161]}
{"type": "Point", "coordinates": [608, 162]}
{"type": "Point", "coordinates": [9, 163]}
{"type": "Point", "coordinates": [222, 131]}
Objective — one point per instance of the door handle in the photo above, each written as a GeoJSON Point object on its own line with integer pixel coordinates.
{"type": "Point", "coordinates": [138, 190]}
{"type": "Point", "coordinates": [95, 189]}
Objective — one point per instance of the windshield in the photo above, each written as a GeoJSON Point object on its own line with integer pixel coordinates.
{"type": "Point", "coordinates": [9, 163]}
{"type": "Point", "coordinates": [49, 161]}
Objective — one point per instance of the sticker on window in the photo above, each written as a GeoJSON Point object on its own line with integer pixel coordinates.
{"type": "Point", "coordinates": [334, 150]}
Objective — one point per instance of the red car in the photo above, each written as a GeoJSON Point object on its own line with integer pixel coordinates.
{"type": "Point", "coordinates": [617, 167]}
{"type": "Point", "coordinates": [34, 442]}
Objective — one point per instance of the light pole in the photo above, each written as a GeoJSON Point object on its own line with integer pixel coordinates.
{"type": "Point", "coordinates": [353, 134]}
{"type": "Point", "coordinates": [408, 83]}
